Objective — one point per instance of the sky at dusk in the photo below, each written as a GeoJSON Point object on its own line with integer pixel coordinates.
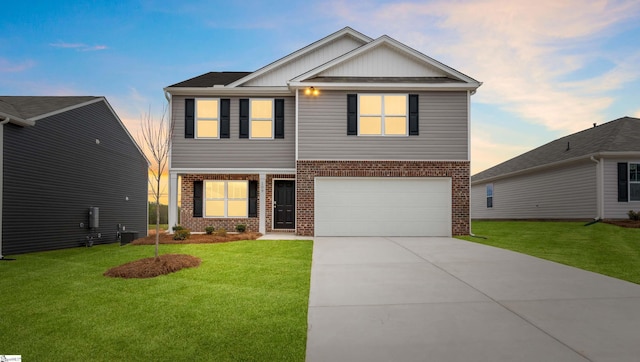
{"type": "Point", "coordinates": [549, 67]}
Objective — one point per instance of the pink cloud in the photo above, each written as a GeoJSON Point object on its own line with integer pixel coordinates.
{"type": "Point", "coordinates": [7, 66]}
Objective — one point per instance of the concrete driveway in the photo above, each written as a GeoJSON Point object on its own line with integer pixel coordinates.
{"type": "Point", "coordinates": [443, 299]}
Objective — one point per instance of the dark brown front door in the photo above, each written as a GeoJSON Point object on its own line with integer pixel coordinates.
{"type": "Point", "coordinates": [284, 204]}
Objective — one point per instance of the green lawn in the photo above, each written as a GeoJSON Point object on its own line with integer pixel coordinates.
{"type": "Point", "coordinates": [601, 248]}
{"type": "Point", "coordinates": [247, 301]}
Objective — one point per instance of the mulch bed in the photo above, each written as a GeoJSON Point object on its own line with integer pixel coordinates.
{"type": "Point", "coordinates": [169, 263]}
{"type": "Point", "coordinates": [196, 239]}
{"type": "Point", "coordinates": [152, 267]}
{"type": "Point", "coordinates": [624, 223]}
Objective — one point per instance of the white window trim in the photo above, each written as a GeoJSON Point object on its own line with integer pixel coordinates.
{"type": "Point", "coordinates": [487, 195]}
{"type": "Point", "coordinates": [629, 182]}
{"type": "Point", "coordinates": [205, 119]}
{"type": "Point", "coordinates": [383, 116]}
{"type": "Point", "coordinates": [225, 199]}
{"type": "Point", "coordinates": [272, 119]}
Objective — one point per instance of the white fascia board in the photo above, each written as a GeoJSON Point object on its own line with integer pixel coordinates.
{"type": "Point", "coordinates": [17, 120]}
{"type": "Point", "coordinates": [387, 86]}
{"type": "Point", "coordinates": [225, 91]}
{"type": "Point", "coordinates": [66, 109]}
{"type": "Point", "coordinates": [396, 44]}
{"type": "Point", "coordinates": [232, 171]}
{"type": "Point", "coordinates": [345, 31]}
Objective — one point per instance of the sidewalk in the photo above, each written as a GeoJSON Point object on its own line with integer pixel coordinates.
{"type": "Point", "coordinates": [443, 299]}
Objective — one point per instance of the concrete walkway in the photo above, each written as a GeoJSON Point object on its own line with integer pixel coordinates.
{"type": "Point", "coordinates": [443, 299]}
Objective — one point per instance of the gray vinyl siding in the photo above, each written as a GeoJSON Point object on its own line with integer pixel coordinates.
{"type": "Point", "coordinates": [233, 152]}
{"type": "Point", "coordinates": [55, 170]}
{"type": "Point", "coordinates": [612, 208]}
{"type": "Point", "coordinates": [561, 193]}
{"type": "Point", "coordinates": [443, 130]}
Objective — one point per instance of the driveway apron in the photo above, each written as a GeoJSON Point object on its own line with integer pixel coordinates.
{"type": "Point", "coordinates": [444, 299]}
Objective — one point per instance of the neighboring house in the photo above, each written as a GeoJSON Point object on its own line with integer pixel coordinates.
{"type": "Point", "coordinates": [62, 156]}
{"type": "Point", "coordinates": [346, 136]}
{"type": "Point", "coordinates": [592, 174]}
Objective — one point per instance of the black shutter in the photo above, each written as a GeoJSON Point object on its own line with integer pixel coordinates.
{"type": "Point", "coordinates": [197, 198]}
{"type": "Point", "coordinates": [225, 117]}
{"type": "Point", "coordinates": [352, 114]}
{"type": "Point", "coordinates": [623, 179]}
{"type": "Point", "coordinates": [279, 116]}
{"type": "Point", "coordinates": [244, 118]}
{"type": "Point", "coordinates": [253, 198]}
{"type": "Point", "coordinates": [413, 115]}
{"type": "Point", "coordinates": [189, 117]}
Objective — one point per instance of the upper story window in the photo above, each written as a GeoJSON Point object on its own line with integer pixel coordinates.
{"type": "Point", "coordinates": [489, 196]}
{"type": "Point", "coordinates": [207, 118]}
{"type": "Point", "coordinates": [261, 121]}
{"type": "Point", "coordinates": [634, 182]}
{"type": "Point", "coordinates": [226, 198]}
{"type": "Point", "coordinates": [382, 115]}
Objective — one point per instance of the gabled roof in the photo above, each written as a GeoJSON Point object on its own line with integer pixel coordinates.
{"type": "Point", "coordinates": [25, 110]}
{"type": "Point", "coordinates": [211, 79]}
{"type": "Point", "coordinates": [437, 70]}
{"type": "Point", "coordinates": [334, 62]}
{"type": "Point", "coordinates": [621, 136]}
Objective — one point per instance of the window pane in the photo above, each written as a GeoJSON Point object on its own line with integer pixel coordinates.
{"type": "Point", "coordinates": [261, 108]}
{"type": "Point", "coordinates": [214, 190]}
{"type": "Point", "coordinates": [207, 129]}
{"type": "Point", "coordinates": [207, 108]}
{"type": "Point", "coordinates": [371, 105]}
{"type": "Point", "coordinates": [634, 189]}
{"type": "Point", "coordinates": [371, 125]}
{"type": "Point", "coordinates": [237, 189]}
{"type": "Point", "coordinates": [395, 105]}
{"type": "Point", "coordinates": [395, 125]}
{"type": "Point", "coordinates": [634, 172]}
{"type": "Point", "coordinates": [261, 129]}
{"type": "Point", "coordinates": [489, 190]}
{"type": "Point", "coordinates": [214, 208]}
{"type": "Point", "coordinates": [237, 208]}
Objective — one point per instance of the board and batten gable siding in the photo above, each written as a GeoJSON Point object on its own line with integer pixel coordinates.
{"type": "Point", "coordinates": [55, 170]}
{"type": "Point", "coordinates": [301, 64]}
{"type": "Point", "coordinates": [233, 152]}
{"type": "Point", "coordinates": [613, 209]}
{"type": "Point", "coordinates": [443, 132]}
{"type": "Point", "coordinates": [561, 193]}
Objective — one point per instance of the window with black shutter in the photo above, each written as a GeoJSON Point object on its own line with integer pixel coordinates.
{"type": "Point", "coordinates": [197, 198]}
{"type": "Point", "coordinates": [189, 117]}
{"type": "Point", "coordinates": [623, 186]}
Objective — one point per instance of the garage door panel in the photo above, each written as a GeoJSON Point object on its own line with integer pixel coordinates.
{"type": "Point", "coordinates": [383, 206]}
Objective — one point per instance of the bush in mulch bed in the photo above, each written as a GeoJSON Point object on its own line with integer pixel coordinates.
{"type": "Point", "coordinates": [624, 223]}
{"type": "Point", "coordinates": [152, 267]}
{"type": "Point", "coordinates": [197, 238]}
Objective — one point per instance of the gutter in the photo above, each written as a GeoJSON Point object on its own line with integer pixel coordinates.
{"type": "Point", "coordinates": [16, 120]}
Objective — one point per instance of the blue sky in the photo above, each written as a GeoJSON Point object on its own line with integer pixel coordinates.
{"type": "Point", "coordinates": [549, 68]}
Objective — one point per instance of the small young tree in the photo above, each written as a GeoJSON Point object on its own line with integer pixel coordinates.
{"type": "Point", "coordinates": [155, 137]}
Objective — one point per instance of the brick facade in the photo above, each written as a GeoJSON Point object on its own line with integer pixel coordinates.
{"type": "Point", "coordinates": [458, 171]}
{"type": "Point", "coordinates": [197, 224]}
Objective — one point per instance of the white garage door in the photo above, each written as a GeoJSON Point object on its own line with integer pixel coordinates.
{"type": "Point", "coordinates": [372, 206]}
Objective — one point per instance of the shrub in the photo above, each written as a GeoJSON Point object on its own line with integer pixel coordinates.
{"type": "Point", "coordinates": [241, 228]}
{"type": "Point", "coordinates": [209, 230]}
{"type": "Point", "coordinates": [181, 234]}
{"type": "Point", "coordinates": [634, 215]}
{"type": "Point", "coordinates": [177, 228]}
{"type": "Point", "coordinates": [221, 232]}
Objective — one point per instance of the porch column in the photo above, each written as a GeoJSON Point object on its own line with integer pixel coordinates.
{"type": "Point", "coordinates": [1, 177]}
{"type": "Point", "coordinates": [173, 200]}
{"type": "Point", "coordinates": [262, 213]}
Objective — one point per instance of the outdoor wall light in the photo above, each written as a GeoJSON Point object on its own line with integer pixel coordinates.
{"type": "Point", "coordinates": [310, 91]}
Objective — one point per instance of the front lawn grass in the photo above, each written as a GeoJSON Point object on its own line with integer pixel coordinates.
{"type": "Point", "coordinates": [247, 301]}
{"type": "Point", "coordinates": [602, 248]}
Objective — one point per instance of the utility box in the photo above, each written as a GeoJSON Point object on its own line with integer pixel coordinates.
{"type": "Point", "coordinates": [128, 236]}
{"type": "Point", "coordinates": [94, 217]}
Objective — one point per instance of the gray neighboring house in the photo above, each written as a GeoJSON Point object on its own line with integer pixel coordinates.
{"type": "Point", "coordinates": [60, 157]}
{"type": "Point", "coordinates": [592, 174]}
{"type": "Point", "coordinates": [348, 136]}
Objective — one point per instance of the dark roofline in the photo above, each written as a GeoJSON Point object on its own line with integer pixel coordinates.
{"type": "Point", "coordinates": [211, 79]}
{"type": "Point", "coordinates": [618, 136]}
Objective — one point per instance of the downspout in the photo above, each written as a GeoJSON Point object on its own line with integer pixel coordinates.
{"type": "Point", "coordinates": [2, 123]}
{"type": "Point", "coordinates": [599, 188]}
{"type": "Point", "coordinates": [172, 182]}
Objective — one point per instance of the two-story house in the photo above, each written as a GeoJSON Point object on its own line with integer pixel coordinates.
{"type": "Point", "coordinates": [348, 136]}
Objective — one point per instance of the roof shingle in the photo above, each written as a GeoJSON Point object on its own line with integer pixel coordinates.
{"type": "Point", "coordinates": [210, 79]}
{"type": "Point", "coordinates": [26, 107]}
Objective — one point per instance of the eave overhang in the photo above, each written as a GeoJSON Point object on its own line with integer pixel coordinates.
{"type": "Point", "coordinates": [16, 120]}
{"type": "Point", "coordinates": [226, 91]}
